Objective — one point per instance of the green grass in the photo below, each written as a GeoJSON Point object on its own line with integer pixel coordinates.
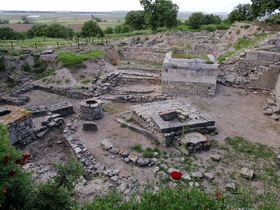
{"type": "Point", "coordinates": [224, 56]}
{"type": "Point", "coordinates": [244, 146]}
{"type": "Point", "coordinates": [86, 81]}
{"type": "Point", "coordinates": [72, 60]}
{"type": "Point", "coordinates": [137, 148]}
{"type": "Point", "coordinates": [166, 198]}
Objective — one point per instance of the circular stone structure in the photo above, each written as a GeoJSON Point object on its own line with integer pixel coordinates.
{"type": "Point", "coordinates": [90, 109]}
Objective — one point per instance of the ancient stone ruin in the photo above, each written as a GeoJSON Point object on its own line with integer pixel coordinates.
{"type": "Point", "coordinates": [18, 122]}
{"type": "Point", "coordinates": [188, 76]}
{"type": "Point", "coordinates": [90, 109]}
{"type": "Point", "coordinates": [262, 68]}
{"type": "Point", "coordinates": [168, 119]}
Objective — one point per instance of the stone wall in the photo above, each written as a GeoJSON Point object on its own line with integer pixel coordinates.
{"type": "Point", "coordinates": [168, 119]}
{"type": "Point", "coordinates": [154, 58]}
{"type": "Point", "coordinates": [188, 77]}
{"type": "Point", "coordinates": [19, 124]}
{"type": "Point", "coordinates": [277, 90]}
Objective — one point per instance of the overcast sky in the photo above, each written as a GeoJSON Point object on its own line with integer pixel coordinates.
{"type": "Point", "coordinates": [110, 5]}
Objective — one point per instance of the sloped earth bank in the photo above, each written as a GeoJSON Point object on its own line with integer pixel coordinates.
{"type": "Point", "coordinates": [237, 113]}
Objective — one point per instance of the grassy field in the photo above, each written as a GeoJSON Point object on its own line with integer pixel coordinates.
{"type": "Point", "coordinates": [108, 19]}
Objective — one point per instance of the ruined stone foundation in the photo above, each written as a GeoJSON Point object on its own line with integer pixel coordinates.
{"type": "Point", "coordinates": [19, 124]}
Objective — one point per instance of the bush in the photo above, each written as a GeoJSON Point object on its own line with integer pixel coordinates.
{"type": "Point", "coordinates": [15, 184]}
{"type": "Point", "coordinates": [274, 19]}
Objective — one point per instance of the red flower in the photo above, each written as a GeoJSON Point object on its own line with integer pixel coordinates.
{"type": "Point", "coordinates": [176, 175]}
{"type": "Point", "coordinates": [4, 190]}
{"type": "Point", "coordinates": [6, 157]}
{"type": "Point", "coordinates": [26, 155]}
{"type": "Point", "coordinates": [18, 161]}
{"type": "Point", "coordinates": [23, 159]}
{"type": "Point", "coordinates": [218, 195]}
{"type": "Point", "coordinates": [11, 172]}
{"type": "Point", "coordinates": [21, 163]}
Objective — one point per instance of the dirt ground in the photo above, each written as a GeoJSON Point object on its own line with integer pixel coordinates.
{"type": "Point", "coordinates": [236, 112]}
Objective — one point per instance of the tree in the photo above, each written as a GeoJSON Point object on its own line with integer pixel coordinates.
{"type": "Point", "coordinates": [160, 13]}
{"type": "Point", "coordinates": [37, 30]}
{"type": "Point", "coordinates": [196, 20]}
{"type": "Point", "coordinates": [59, 31]}
{"type": "Point", "coordinates": [264, 7]}
{"type": "Point", "coordinates": [3, 21]}
{"type": "Point", "coordinates": [91, 28]}
{"type": "Point", "coordinates": [211, 19]}
{"type": "Point", "coordinates": [7, 33]}
{"type": "Point", "coordinates": [136, 20]}
{"type": "Point", "coordinates": [108, 30]}
{"type": "Point", "coordinates": [242, 12]}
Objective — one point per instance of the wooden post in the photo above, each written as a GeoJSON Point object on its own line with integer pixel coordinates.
{"type": "Point", "coordinates": [12, 45]}
{"type": "Point", "coordinates": [36, 45]}
{"type": "Point", "coordinates": [57, 44]}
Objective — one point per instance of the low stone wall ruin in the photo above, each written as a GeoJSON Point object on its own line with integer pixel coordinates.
{"type": "Point", "coordinates": [19, 124]}
{"type": "Point", "coordinates": [277, 91]}
{"type": "Point", "coordinates": [168, 119]}
{"type": "Point", "coordinates": [188, 77]}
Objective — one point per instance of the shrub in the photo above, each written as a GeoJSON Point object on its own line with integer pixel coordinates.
{"type": "Point", "coordinates": [274, 19]}
{"type": "Point", "coordinates": [15, 184]}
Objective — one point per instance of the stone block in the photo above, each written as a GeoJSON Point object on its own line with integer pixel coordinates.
{"type": "Point", "coordinates": [106, 144]}
{"type": "Point", "coordinates": [247, 173]}
{"type": "Point", "coordinates": [89, 126]}
{"type": "Point", "coordinates": [133, 158]}
{"type": "Point", "coordinates": [252, 55]}
{"type": "Point", "coordinates": [266, 56]}
{"type": "Point", "coordinates": [215, 157]}
{"type": "Point", "coordinates": [64, 109]}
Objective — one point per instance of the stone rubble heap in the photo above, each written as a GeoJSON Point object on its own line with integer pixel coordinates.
{"type": "Point", "coordinates": [93, 167]}
{"type": "Point", "coordinates": [54, 120]}
{"type": "Point", "coordinates": [272, 109]}
{"type": "Point", "coordinates": [126, 156]}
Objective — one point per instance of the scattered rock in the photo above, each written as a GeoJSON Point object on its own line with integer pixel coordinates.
{"type": "Point", "coordinates": [278, 159]}
{"type": "Point", "coordinates": [133, 158]}
{"type": "Point", "coordinates": [143, 162]}
{"type": "Point", "coordinates": [197, 175]}
{"type": "Point", "coordinates": [156, 169]}
{"type": "Point", "coordinates": [208, 176]}
{"type": "Point", "coordinates": [270, 102]}
{"type": "Point", "coordinates": [194, 184]}
{"type": "Point", "coordinates": [106, 144]}
{"type": "Point", "coordinates": [275, 117]}
{"type": "Point", "coordinates": [114, 150]}
{"type": "Point", "coordinates": [124, 153]}
{"type": "Point", "coordinates": [230, 187]}
{"type": "Point", "coordinates": [215, 157]}
{"type": "Point", "coordinates": [268, 112]}
{"type": "Point", "coordinates": [126, 160]}
{"type": "Point", "coordinates": [186, 177]}
{"type": "Point", "coordinates": [247, 173]}
{"type": "Point", "coordinates": [114, 178]}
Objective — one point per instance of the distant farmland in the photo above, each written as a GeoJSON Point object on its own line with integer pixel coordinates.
{"type": "Point", "coordinates": [73, 20]}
